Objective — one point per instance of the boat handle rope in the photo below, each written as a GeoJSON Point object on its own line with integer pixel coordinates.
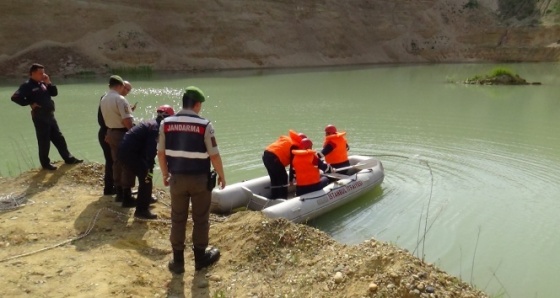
{"type": "Point", "coordinates": [355, 177]}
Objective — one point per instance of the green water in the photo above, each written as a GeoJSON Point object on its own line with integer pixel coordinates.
{"type": "Point", "coordinates": [484, 159]}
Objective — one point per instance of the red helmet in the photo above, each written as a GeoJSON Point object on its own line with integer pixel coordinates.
{"type": "Point", "coordinates": [330, 129]}
{"type": "Point", "coordinates": [165, 110]}
{"type": "Point", "coordinates": [302, 135]}
{"type": "Point", "coordinates": [306, 144]}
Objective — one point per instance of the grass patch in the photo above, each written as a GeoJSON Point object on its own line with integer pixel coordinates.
{"type": "Point", "coordinates": [86, 73]}
{"type": "Point", "coordinates": [499, 71]}
{"type": "Point", "coordinates": [471, 4]}
{"type": "Point", "coordinates": [142, 70]}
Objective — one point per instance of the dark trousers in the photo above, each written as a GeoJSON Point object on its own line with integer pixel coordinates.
{"type": "Point", "coordinates": [122, 177]}
{"type": "Point", "coordinates": [108, 177]}
{"type": "Point", "coordinates": [278, 176]}
{"type": "Point", "coordinates": [193, 189]}
{"type": "Point", "coordinates": [47, 131]}
{"type": "Point", "coordinates": [145, 184]}
{"type": "Point", "coordinates": [303, 189]}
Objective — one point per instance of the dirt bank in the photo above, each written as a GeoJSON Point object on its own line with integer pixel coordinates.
{"type": "Point", "coordinates": [69, 241]}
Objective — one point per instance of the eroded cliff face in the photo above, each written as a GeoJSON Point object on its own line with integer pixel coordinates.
{"type": "Point", "coordinates": [71, 36]}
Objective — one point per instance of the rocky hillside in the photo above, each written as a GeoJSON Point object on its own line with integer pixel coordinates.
{"type": "Point", "coordinates": [94, 36]}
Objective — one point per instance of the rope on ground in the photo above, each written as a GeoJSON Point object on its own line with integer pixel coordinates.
{"type": "Point", "coordinates": [86, 233]}
{"type": "Point", "coordinates": [14, 201]}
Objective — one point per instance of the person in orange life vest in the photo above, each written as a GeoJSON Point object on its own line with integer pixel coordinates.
{"type": "Point", "coordinates": [335, 148]}
{"type": "Point", "coordinates": [306, 165]}
{"type": "Point", "coordinates": [275, 158]}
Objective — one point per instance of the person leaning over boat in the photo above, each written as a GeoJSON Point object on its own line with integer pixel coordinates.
{"type": "Point", "coordinates": [109, 186]}
{"type": "Point", "coordinates": [137, 152]}
{"type": "Point", "coordinates": [276, 157]}
{"type": "Point", "coordinates": [306, 166]}
{"type": "Point", "coordinates": [117, 115]}
{"type": "Point", "coordinates": [37, 93]}
{"type": "Point", "coordinates": [186, 148]}
{"type": "Point", "coordinates": [335, 148]}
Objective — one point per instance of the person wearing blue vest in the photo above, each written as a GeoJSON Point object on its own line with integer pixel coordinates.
{"type": "Point", "coordinates": [137, 152]}
{"type": "Point", "coordinates": [186, 149]}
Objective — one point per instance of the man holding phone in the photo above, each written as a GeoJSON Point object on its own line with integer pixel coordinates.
{"type": "Point", "coordinates": [37, 93]}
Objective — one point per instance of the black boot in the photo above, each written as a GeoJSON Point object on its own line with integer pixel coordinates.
{"type": "Point", "coordinates": [204, 258]}
{"type": "Point", "coordinates": [144, 214]}
{"type": "Point", "coordinates": [177, 265]}
{"type": "Point", "coordinates": [119, 191]}
{"type": "Point", "coordinates": [128, 200]}
{"type": "Point", "coordinates": [109, 191]}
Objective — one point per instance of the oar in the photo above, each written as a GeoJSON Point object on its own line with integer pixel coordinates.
{"type": "Point", "coordinates": [337, 176]}
{"type": "Point", "coordinates": [362, 165]}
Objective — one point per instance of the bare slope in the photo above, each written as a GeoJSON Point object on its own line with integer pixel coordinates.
{"type": "Point", "coordinates": [68, 241]}
{"type": "Point", "coordinates": [72, 36]}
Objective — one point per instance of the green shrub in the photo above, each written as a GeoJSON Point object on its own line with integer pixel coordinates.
{"type": "Point", "coordinates": [471, 4]}
{"type": "Point", "coordinates": [498, 71]}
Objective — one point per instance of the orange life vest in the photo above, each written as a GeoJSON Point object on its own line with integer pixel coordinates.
{"type": "Point", "coordinates": [305, 166]}
{"type": "Point", "coordinates": [339, 154]}
{"type": "Point", "coordinates": [281, 148]}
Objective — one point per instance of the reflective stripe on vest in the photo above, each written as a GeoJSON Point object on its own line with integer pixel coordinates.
{"type": "Point", "coordinates": [184, 144]}
{"type": "Point", "coordinates": [339, 153]}
{"type": "Point", "coordinates": [305, 167]}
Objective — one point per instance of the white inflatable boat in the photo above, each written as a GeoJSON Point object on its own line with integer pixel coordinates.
{"type": "Point", "coordinates": [364, 174]}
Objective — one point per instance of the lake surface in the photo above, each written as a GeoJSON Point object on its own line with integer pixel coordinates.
{"type": "Point", "coordinates": [474, 169]}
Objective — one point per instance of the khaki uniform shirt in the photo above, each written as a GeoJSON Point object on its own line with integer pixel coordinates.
{"type": "Point", "coordinates": [114, 109]}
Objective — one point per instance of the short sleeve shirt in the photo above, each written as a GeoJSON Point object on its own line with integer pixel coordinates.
{"type": "Point", "coordinates": [209, 138]}
{"type": "Point", "coordinates": [114, 109]}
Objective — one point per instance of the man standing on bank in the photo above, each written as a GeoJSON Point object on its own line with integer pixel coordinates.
{"type": "Point", "coordinates": [137, 152]}
{"type": "Point", "coordinates": [186, 148]}
{"type": "Point", "coordinates": [37, 93]}
{"type": "Point", "coordinates": [117, 114]}
{"type": "Point", "coordinates": [109, 186]}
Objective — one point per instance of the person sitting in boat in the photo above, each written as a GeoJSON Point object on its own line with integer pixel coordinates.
{"type": "Point", "coordinates": [335, 148]}
{"type": "Point", "coordinates": [306, 166]}
{"type": "Point", "coordinates": [276, 157]}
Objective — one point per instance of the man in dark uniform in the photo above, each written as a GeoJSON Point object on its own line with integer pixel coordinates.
{"type": "Point", "coordinates": [137, 152]}
{"type": "Point", "coordinates": [186, 148]}
{"type": "Point", "coordinates": [37, 93]}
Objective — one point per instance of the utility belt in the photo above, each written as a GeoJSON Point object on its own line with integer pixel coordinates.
{"type": "Point", "coordinates": [119, 129]}
{"type": "Point", "coordinates": [42, 112]}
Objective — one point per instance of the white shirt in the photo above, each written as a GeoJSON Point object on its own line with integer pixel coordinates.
{"type": "Point", "coordinates": [114, 109]}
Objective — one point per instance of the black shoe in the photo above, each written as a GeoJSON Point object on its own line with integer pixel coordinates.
{"type": "Point", "coordinates": [204, 258]}
{"type": "Point", "coordinates": [109, 191]}
{"type": "Point", "coordinates": [73, 161]}
{"type": "Point", "coordinates": [177, 265]}
{"type": "Point", "coordinates": [119, 196]}
{"type": "Point", "coordinates": [144, 214]}
{"type": "Point", "coordinates": [128, 204]}
{"type": "Point", "coordinates": [128, 201]}
{"type": "Point", "coordinates": [49, 167]}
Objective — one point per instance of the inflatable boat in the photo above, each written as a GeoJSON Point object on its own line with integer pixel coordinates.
{"type": "Point", "coordinates": [363, 174]}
